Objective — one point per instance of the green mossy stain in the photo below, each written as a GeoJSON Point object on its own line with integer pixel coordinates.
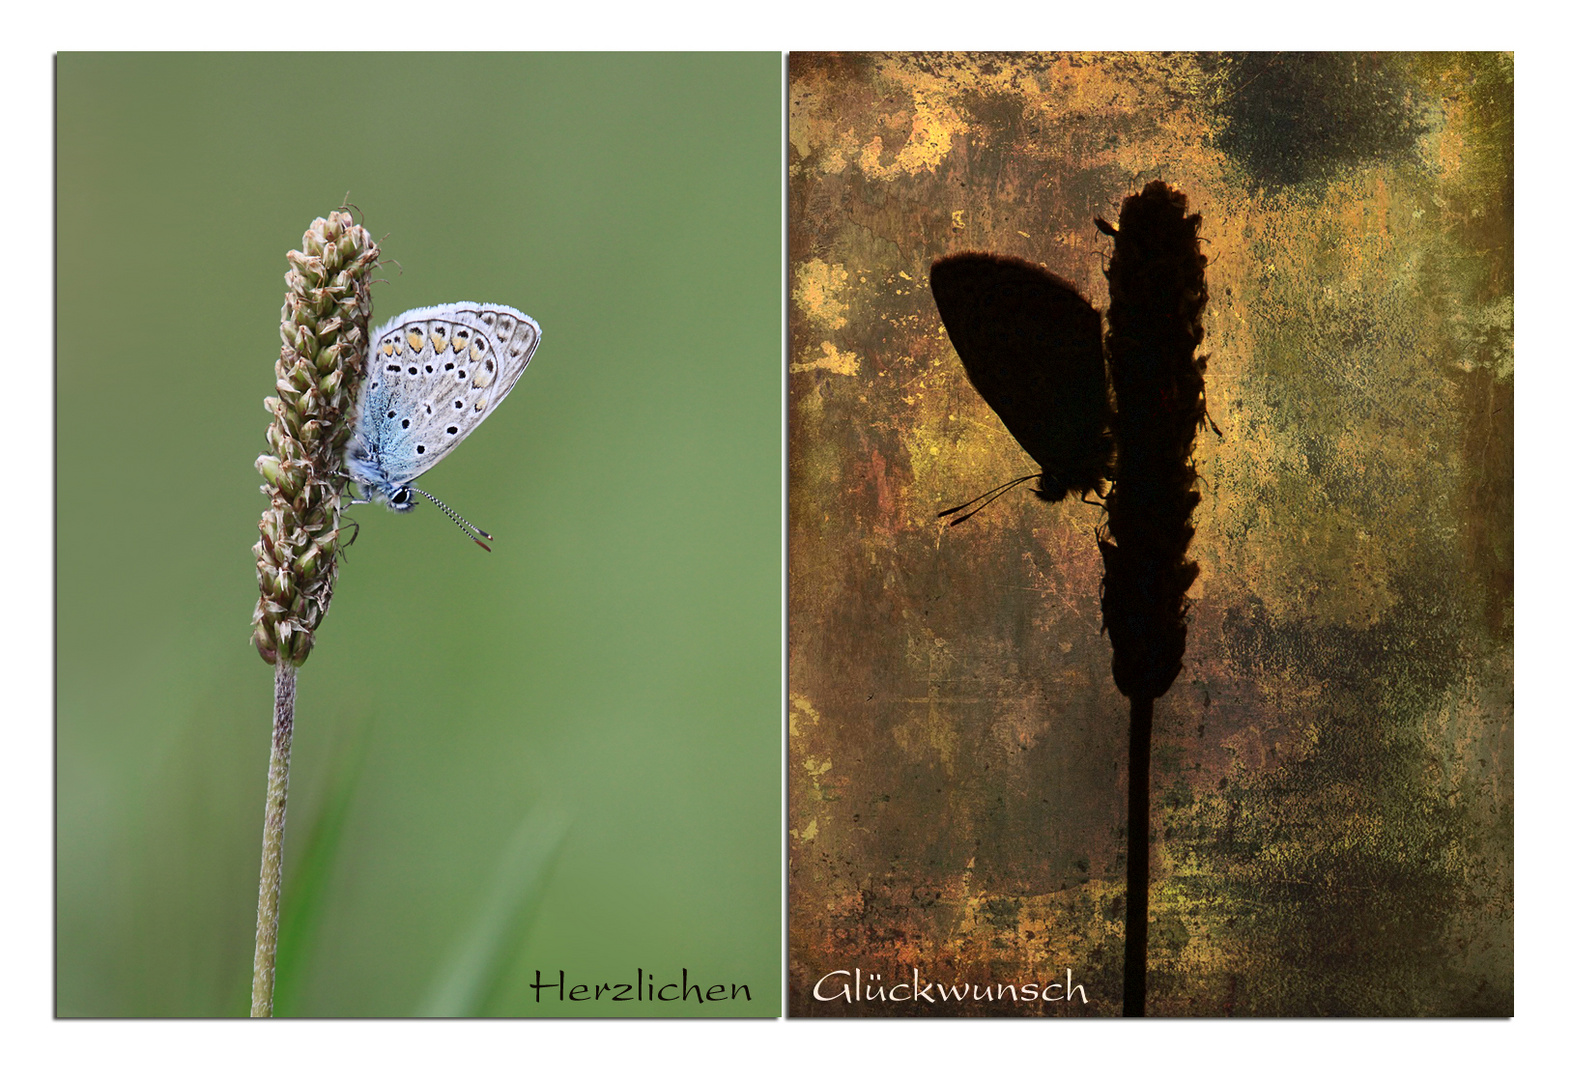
{"type": "Point", "coordinates": [1301, 118]}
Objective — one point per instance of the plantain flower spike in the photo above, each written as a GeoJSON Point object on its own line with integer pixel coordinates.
{"type": "Point", "coordinates": [324, 326]}
{"type": "Point", "coordinates": [1157, 292]}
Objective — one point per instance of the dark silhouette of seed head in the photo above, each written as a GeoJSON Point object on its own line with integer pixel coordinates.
{"type": "Point", "coordinates": [1157, 291]}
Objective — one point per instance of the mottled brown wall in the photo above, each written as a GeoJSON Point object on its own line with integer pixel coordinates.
{"type": "Point", "coordinates": [1332, 772]}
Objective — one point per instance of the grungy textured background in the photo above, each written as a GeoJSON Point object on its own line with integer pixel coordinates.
{"type": "Point", "coordinates": [1332, 772]}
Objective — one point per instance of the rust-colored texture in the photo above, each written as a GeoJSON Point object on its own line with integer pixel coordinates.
{"type": "Point", "coordinates": [1332, 769]}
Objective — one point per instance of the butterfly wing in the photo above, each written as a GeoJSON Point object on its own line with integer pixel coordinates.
{"type": "Point", "coordinates": [433, 375]}
{"type": "Point", "coordinates": [1033, 348]}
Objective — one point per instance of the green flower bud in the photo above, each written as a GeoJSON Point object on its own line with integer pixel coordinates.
{"type": "Point", "coordinates": [269, 468]}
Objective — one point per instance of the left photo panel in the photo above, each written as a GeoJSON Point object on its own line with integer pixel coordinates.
{"type": "Point", "coordinates": [492, 702]}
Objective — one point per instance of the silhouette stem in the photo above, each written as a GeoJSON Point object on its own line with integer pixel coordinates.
{"type": "Point", "coordinates": [1137, 861]}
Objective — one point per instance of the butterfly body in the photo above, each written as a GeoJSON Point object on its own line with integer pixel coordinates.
{"type": "Point", "coordinates": [1033, 348]}
{"type": "Point", "coordinates": [432, 375]}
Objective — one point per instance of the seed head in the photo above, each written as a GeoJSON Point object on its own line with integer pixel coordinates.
{"type": "Point", "coordinates": [1157, 292]}
{"type": "Point", "coordinates": [324, 329]}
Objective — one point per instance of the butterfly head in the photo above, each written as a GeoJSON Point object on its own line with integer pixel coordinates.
{"type": "Point", "coordinates": [373, 481]}
{"type": "Point", "coordinates": [1050, 489]}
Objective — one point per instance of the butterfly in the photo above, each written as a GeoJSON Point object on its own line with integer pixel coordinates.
{"type": "Point", "coordinates": [1033, 348]}
{"type": "Point", "coordinates": [432, 375]}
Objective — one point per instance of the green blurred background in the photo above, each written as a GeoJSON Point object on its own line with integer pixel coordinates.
{"type": "Point", "coordinates": [610, 677]}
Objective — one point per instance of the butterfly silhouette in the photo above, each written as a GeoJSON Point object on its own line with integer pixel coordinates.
{"type": "Point", "coordinates": [1033, 347]}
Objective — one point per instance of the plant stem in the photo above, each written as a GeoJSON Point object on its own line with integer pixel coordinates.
{"type": "Point", "coordinates": [273, 840]}
{"type": "Point", "coordinates": [1137, 864]}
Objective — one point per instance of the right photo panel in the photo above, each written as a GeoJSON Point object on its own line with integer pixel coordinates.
{"type": "Point", "coordinates": [1150, 581]}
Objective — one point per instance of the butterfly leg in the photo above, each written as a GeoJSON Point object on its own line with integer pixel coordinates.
{"type": "Point", "coordinates": [1207, 413]}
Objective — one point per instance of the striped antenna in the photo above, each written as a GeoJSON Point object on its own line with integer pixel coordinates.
{"type": "Point", "coordinates": [469, 530]}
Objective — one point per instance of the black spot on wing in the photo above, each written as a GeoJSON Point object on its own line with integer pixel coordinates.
{"type": "Point", "coordinates": [1032, 347]}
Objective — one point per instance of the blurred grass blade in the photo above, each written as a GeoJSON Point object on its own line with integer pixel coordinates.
{"type": "Point", "coordinates": [470, 979]}
{"type": "Point", "coordinates": [305, 890]}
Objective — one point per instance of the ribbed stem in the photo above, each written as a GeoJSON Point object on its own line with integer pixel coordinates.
{"type": "Point", "coordinates": [1138, 858]}
{"type": "Point", "coordinates": [262, 966]}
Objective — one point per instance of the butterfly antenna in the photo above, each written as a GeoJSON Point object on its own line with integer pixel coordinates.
{"type": "Point", "coordinates": [985, 498]}
{"type": "Point", "coordinates": [963, 517]}
{"type": "Point", "coordinates": [469, 530]}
